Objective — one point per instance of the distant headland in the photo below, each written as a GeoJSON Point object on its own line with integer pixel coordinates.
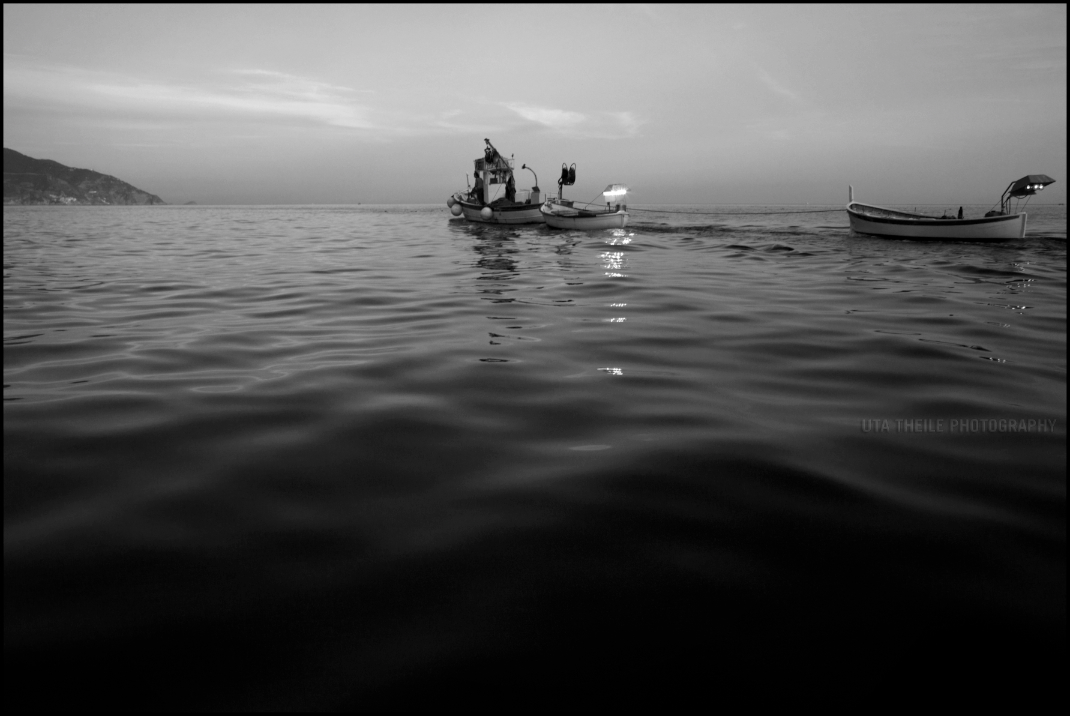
{"type": "Point", "coordinates": [43, 181]}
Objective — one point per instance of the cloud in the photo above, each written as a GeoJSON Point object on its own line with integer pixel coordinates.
{"type": "Point", "coordinates": [776, 87]}
{"type": "Point", "coordinates": [258, 95]}
{"type": "Point", "coordinates": [595, 125]}
{"type": "Point", "coordinates": [452, 122]}
{"type": "Point", "coordinates": [559, 119]}
{"type": "Point", "coordinates": [251, 101]}
{"type": "Point", "coordinates": [248, 100]}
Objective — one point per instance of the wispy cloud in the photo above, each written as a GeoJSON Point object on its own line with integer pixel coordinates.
{"type": "Point", "coordinates": [594, 125]}
{"type": "Point", "coordinates": [456, 121]}
{"type": "Point", "coordinates": [559, 119]}
{"type": "Point", "coordinates": [250, 94]}
{"type": "Point", "coordinates": [251, 100]}
{"type": "Point", "coordinates": [242, 98]}
{"type": "Point", "coordinates": [776, 87]}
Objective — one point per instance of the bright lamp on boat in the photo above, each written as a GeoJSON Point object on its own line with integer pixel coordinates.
{"type": "Point", "coordinates": [615, 190]}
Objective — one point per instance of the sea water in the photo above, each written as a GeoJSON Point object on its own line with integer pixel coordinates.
{"type": "Point", "coordinates": [327, 457]}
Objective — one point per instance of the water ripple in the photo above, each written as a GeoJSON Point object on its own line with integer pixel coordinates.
{"type": "Point", "coordinates": [359, 455]}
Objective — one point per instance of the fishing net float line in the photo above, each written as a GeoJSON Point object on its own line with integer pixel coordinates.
{"type": "Point", "coordinates": [738, 213]}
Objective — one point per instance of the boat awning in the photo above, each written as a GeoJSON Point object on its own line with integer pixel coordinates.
{"type": "Point", "coordinates": [615, 190]}
{"type": "Point", "coordinates": [1030, 184]}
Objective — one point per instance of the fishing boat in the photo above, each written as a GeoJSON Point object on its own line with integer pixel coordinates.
{"type": "Point", "coordinates": [486, 204]}
{"type": "Point", "coordinates": [561, 213]}
{"type": "Point", "coordinates": [993, 226]}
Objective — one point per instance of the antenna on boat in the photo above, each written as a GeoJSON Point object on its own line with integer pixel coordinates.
{"type": "Point", "coordinates": [850, 194]}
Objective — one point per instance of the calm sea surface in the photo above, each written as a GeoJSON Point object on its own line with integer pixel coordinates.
{"type": "Point", "coordinates": [366, 456]}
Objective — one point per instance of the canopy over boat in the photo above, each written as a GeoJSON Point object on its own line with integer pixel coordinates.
{"type": "Point", "coordinates": [1028, 185]}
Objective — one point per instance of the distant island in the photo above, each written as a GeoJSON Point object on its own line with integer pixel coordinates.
{"type": "Point", "coordinates": [43, 181]}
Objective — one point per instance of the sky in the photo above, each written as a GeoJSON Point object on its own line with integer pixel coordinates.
{"type": "Point", "coordinates": [327, 104]}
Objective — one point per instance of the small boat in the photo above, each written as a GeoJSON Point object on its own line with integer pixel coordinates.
{"type": "Point", "coordinates": [993, 226]}
{"type": "Point", "coordinates": [482, 203]}
{"type": "Point", "coordinates": [561, 213]}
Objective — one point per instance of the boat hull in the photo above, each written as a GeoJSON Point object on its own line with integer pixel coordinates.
{"type": "Point", "coordinates": [905, 226]}
{"type": "Point", "coordinates": [518, 214]}
{"type": "Point", "coordinates": [585, 221]}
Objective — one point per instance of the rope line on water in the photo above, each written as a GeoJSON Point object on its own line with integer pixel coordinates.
{"type": "Point", "coordinates": [740, 213]}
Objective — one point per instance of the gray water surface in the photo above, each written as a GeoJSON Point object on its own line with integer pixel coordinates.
{"type": "Point", "coordinates": [354, 457]}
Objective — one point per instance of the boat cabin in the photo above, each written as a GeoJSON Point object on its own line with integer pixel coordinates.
{"type": "Point", "coordinates": [493, 171]}
{"type": "Point", "coordinates": [495, 174]}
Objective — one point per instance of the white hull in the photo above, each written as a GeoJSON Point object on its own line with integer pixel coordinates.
{"type": "Point", "coordinates": [562, 217]}
{"type": "Point", "coordinates": [519, 214]}
{"type": "Point", "coordinates": [877, 221]}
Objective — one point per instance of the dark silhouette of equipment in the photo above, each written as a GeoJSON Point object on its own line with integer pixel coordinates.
{"type": "Point", "coordinates": [568, 178]}
{"type": "Point", "coordinates": [568, 175]}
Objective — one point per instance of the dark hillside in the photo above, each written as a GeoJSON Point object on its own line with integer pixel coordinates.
{"type": "Point", "coordinates": [43, 181]}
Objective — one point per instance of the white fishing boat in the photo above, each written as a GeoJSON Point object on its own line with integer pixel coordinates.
{"type": "Point", "coordinates": [561, 213]}
{"type": "Point", "coordinates": [564, 215]}
{"type": "Point", "coordinates": [494, 199]}
{"type": "Point", "coordinates": [993, 226]}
